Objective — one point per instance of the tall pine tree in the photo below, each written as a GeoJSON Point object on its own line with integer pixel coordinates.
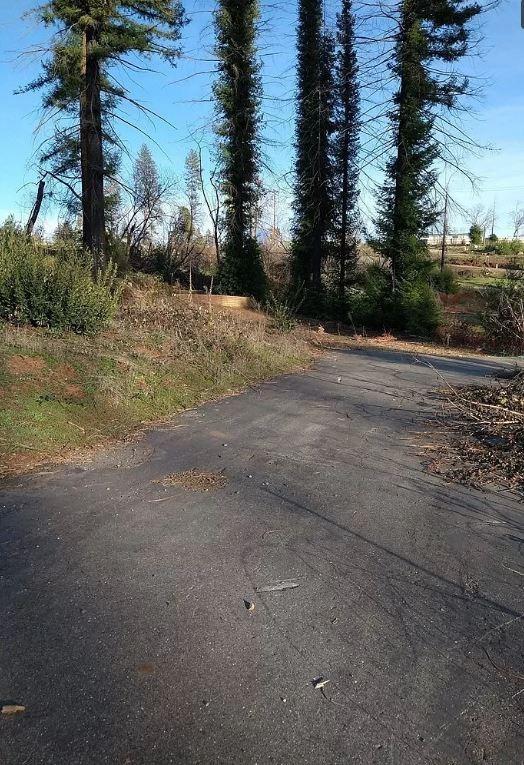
{"type": "Point", "coordinates": [312, 200]}
{"type": "Point", "coordinates": [94, 38]}
{"type": "Point", "coordinates": [238, 96]}
{"type": "Point", "coordinates": [345, 145]}
{"type": "Point", "coordinates": [430, 31]}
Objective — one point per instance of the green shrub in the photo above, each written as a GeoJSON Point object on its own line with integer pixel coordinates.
{"type": "Point", "coordinates": [283, 306]}
{"type": "Point", "coordinates": [508, 249]}
{"type": "Point", "coordinates": [476, 235]}
{"type": "Point", "coordinates": [242, 273]}
{"type": "Point", "coordinates": [412, 308]}
{"type": "Point", "coordinates": [53, 289]}
{"type": "Point", "coordinates": [370, 301]}
{"type": "Point", "coordinates": [117, 252]}
{"type": "Point", "coordinates": [337, 306]}
{"type": "Point", "coordinates": [418, 308]}
{"type": "Point", "coordinates": [444, 281]}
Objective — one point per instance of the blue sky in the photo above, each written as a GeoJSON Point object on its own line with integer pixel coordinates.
{"type": "Point", "coordinates": [183, 96]}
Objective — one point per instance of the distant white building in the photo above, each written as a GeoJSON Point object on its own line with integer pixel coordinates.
{"type": "Point", "coordinates": [511, 239]}
{"type": "Point", "coordinates": [434, 240]}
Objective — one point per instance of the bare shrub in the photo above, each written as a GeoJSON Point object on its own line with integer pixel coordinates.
{"type": "Point", "coordinates": [503, 319]}
{"type": "Point", "coordinates": [460, 334]}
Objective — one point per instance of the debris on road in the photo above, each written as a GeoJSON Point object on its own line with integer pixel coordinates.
{"type": "Point", "coordinates": [249, 605]}
{"type": "Point", "coordinates": [146, 668]}
{"type": "Point", "coordinates": [282, 584]}
{"type": "Point", "coordinates": [12, 709]}
{"type": "Point", "coordinates": [194, 480]}
{"type": "Point", "coordinates": [319, 682]}
{"type": "Point", "coordinates": [482, 428]}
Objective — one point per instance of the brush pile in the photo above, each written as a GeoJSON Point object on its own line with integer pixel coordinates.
{"type": "Point", "coordinates": [486, 423]}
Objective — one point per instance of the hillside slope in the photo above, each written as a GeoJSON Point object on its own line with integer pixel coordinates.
{"type": "Point", "coordinates": [61, 391]}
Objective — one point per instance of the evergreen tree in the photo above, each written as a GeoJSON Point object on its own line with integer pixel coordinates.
{"type": "Point", "coordinates": [476, 235]}
{"type": "Point", "coordinates": [148, 194]}
{"type": "Point", "coordinates": [192, 178]}
{"type": "Point", "coordinates": [148, 197]}
{"type": "Point", "coordinates": [95, 36]}
{"type": "Point", "coordinates": [429, 31]}
{"type": "Point", "coordinates": [59, 158]}
{"type": "Point", "coordinates": [345, 145]}
{"type": "Point", "coordinates": [313, 176]}
{"type": "Point", "coordinates": [238, 95]}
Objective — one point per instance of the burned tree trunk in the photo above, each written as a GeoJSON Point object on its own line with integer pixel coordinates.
{"type": "Point", "coordinates": [36, 208]}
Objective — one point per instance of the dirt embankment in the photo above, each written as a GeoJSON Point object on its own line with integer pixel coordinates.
{"type": "Point", "coordinates": [64, 392]}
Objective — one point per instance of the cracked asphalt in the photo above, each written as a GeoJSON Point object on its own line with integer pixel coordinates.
{"type": "Point", "coordinates": [123, 628]}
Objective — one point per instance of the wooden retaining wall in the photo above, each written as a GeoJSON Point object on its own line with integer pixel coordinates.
{"type": "Point", "coordinates": [224, 301]}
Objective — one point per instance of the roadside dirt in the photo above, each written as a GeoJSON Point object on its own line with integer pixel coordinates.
{"type": "Point", "coordinates": [24, 365]}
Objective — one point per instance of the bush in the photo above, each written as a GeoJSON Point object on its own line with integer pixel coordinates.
{"type": "Point", "coordinates": [283, 306]}
{"type": "Point", "coordinates": [53, 290]}
{"type": "Point", "coordinates": [418, 308]}
{"type": "Point", "coordinates": [459, 333]}
{"type": "Point", "coordinates": [242, 273]}
{"type": "Point", "coordinates": [503, 319]}
{"type": "Point", "coordinates": [508, 249]}
{"type": "Point", "coordinates": [370, 302]}
{"type": "Point", "coordinates": [476, 235]}
{"type": "Point", "coordinates": [444, 281]}
{"type": "Point", "coordinates": [117, 253]}
{"type": "Point", "coordinates": [413, 308]}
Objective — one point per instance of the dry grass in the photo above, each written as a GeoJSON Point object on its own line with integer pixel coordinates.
{"type": "Point", "coordinates": [387, 341]}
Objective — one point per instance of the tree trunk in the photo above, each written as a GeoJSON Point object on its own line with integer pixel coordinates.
{"type": "Point", "coordinates": [91, 154]}
{"type": "Point", "coordinates": [344, 206]}
{"type": "Point", "coordinates": [316, 254]}
{"type": "Point", "coordinates": [400, 172]}
{"type": "Point", "coordinates": [402, 159]}
{"type": "Point", "coordinates": [316, 259]}
{"type": "Point", "coordinates": [444, 234]}
{"type": "Point", "coordinates": [36, 208]}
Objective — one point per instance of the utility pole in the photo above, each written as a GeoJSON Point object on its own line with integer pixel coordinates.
{"type": "Point", "coordinates": [444, 233]}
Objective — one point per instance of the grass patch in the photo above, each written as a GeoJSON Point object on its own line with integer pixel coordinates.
{"type": "Point", "coordinates": [62, 391]}
{"type": "Point", "coordinates": [476, 282]}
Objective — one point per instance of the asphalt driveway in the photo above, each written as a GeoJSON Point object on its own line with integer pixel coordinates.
{"type": "Point", "coordinates": [123, 628]}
